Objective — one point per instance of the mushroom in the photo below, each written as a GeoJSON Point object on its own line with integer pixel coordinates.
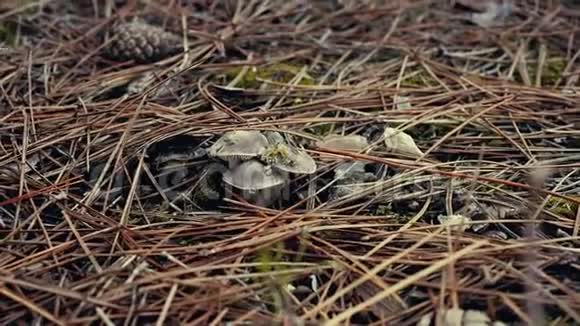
{"type": "Point", "coordinates": [355, 143]}
{"type": "Point", "coordinates": [289, 159]}
{"type": "Point", "coordinates": [274, 137]}
{"type": "Point", "coordinates": [240, 145]}
{"type": "Point", "coordinates": [259, 183]}
{"type": "Point", "coordinates": [351, 178]}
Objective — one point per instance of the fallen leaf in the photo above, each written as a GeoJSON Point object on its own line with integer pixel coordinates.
{"type": "Point", "coordinates": [455, 222]}
{"type": "Point", "coordinates": [400, 142]}
{"type": "Point", "coordinates": [353, 143]}
{"type": "Point", "coordinates": [494, 13]}
{"type": "Point", "coordinates": [459, 317]}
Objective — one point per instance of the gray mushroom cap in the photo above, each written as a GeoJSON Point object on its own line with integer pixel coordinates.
{"type": "Point", "coordinates": [354, 143]}
{"type": "Point", "coordinates": [253, 175]}
{"type": "Point", "coordinates": [240, 144]}
{"type": "Point", "coordinates": [289, 159]}
{"type": "Point", "coordinates": [274, 137]}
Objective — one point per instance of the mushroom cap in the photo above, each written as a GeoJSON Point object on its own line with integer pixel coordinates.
{"type": "Point", "coordinates": [289, 159]}
{"type": "Point", "coordinates": [353, 143]}
{"type": "Point", "coordinates": [253, 175]}
{"type": "Point", "coordinates": [239, 144]}
{"type": "Point", "coordinates": [274, 137]}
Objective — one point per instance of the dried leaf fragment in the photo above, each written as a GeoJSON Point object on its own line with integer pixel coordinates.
{"type": "Point", "coordinates": [494, 13]}
{"type": "Point", "coordinates": [355, 143]}
{"type": "Point", "coordinates": [400, 142]}
{"type": "Point", "coordinates": [459, 317]}
{"type": "Point", "coordinates": [239, 144]}
{"type": "Point", "coordinates": [456, 221]}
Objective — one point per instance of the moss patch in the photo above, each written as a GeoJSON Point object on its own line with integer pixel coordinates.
{"type": "Point", "coordinates": [419, 78]}
{"type": "Point", "coordinates": [276, 153]}
{"type": "Point", "coordinates": [280, 72]}
{"type": "Point", "coordinates": [562, 207]}
{"type": "Point", "coordinates": [551, 71]}
{"type": "Point", "coordinates": [322, 129]}
{"type": "Point", "coordinates": [8, 33]}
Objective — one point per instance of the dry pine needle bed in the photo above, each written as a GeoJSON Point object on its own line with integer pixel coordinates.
{"type": "Point", "coordinates": [289, 162]}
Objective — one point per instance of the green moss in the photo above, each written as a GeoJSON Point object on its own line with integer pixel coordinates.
{"type": "Point", "coordinates": [268, 256]}
{"type": "Point", "coordinates": [562, 207]}
{"type": "Point", "coordinates": [322, 129]}
{"type": "Point", "coordinates": [496, 143]}
{"type": "Point", "coordinates": [419, 78]}
{"type": "Point", "coordinates": [553, 70]}
{"type": "Point", "coordinates": [382, 210]}
{"type": "Point", "coordinates": [8, 34]}
{"type": "Point", "coordinates": [553, 66]}
{"type": "Point", "coordinates": [302, 246]}
{"type": "Point", "coordinates": [276, 153]}
{"type": "Point", "coordinates": [268, 260]}
{"type": "Point", "coordinates": [280, 72]}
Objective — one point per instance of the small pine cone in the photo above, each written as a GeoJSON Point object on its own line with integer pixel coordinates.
{"type": "Point", "coordinates": [141, 42]}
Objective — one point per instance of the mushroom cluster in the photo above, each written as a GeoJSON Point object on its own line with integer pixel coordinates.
{"type": "Point", "coordinates": [261, 167]}
{"type": "Point", "coordinates": [260, 164]}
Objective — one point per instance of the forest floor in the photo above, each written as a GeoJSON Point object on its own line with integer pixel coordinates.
{"type": "Point", "coordinates": [445, 134]}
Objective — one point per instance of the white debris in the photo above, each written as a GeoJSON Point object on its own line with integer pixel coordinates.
{"type": "Point", "coordinates": [399, 142]}
{"type": "Point", "coordinates": [495, 12]}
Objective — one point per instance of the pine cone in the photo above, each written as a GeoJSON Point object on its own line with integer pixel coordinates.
{"type": "Point", "coordinates": [141, 42]}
